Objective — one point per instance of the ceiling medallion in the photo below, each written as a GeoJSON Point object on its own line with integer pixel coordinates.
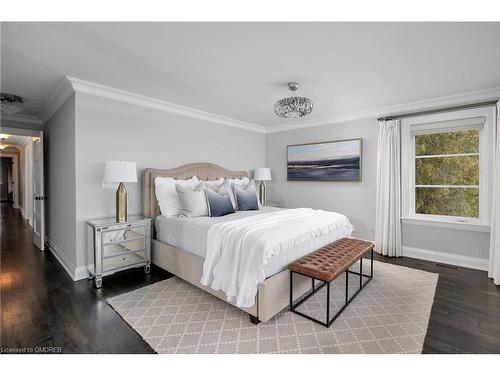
{"type": "Point", "coordinates": [9, 103]}
{"type": "Point", "coordinates": [294, 106]}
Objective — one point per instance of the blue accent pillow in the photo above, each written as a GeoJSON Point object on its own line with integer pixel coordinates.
{"type": "Point", "coordinates": [246, 197]}
{"type": "Point", "coordinates": [218, 204]}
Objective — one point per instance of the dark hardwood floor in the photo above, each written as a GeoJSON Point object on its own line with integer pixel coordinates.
{"type": "Point", "coordinates": [42, 307]}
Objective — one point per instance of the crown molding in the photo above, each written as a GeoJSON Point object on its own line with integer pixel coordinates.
{"type": "Point", "coordinates": [435, 103]}
{"type": "Point", "coordinates": [70, 85]}
{"type": "Point", "coordinates": [26, 119]}
{"type": "Point", "coordinates": [90, 88]}
{"type": "Point", "coordinates": [62, 93]}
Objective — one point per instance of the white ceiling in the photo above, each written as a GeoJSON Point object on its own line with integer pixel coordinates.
{"type": "Point", "coordinates": [239, 70]}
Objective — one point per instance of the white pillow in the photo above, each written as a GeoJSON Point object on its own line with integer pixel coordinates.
{"type": "Point", "coordinates": [238, 181]}
{"type": "Point", "coordinates": [193, 201]}
{"type": "Point", "coordinates": [166, 195]}
{"type": "Point", "coordinates": [214, 183]}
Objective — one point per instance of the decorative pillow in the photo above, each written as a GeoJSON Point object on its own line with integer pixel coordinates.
{"type": "Point", "coordinates": [224, 188]}
{"type": "Point", "coordinates": [219, 204]}
{"type": "Point", "coordinates": [246, 196]}
{"type": "Point", "coordinates": [238, 181]}
{"type": "Point", "coordinates": [214, 183]}
{"type": "Point", "coordinates": [166, 195]}
{"type": "Point", "coordinates": [193, 201]}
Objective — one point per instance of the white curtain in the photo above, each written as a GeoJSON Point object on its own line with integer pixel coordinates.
{"type": "Point", "coordinates": [494, 269]}
{"type": "Point", "coordinates": [388, 199]}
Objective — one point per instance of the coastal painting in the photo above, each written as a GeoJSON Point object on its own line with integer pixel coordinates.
{"type": "Point", "coordinates": [327, 161]}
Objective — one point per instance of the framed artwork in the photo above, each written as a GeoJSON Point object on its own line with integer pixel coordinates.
{"type": "Point", "coordinates": [325, 161]}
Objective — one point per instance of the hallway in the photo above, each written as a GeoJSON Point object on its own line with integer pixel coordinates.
{"type": "Point", "coordinates": [43, 308]}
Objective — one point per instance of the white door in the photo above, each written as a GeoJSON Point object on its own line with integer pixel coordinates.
{"type": "Point", "coordinates": [38, 194]}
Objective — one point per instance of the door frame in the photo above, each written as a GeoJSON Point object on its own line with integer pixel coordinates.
{"type": "Point", "coordinates": [26, 133]}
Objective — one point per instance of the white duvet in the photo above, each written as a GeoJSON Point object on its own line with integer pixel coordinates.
{"type": "Point", "coordinates": [237, 251]}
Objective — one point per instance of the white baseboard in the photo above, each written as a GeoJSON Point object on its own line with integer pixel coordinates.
{"type": "Point", "coordinates": [76, 273]}
{"type": "Point", "coordinates": [447, 258]}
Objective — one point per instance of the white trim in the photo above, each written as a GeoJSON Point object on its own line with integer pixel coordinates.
{"type": "Point", "coordinates": [448, 186]}
{"type": "Point", "coordinates": [445, 155]}
{"type": "Point", "coordinates": [446, 258]}
{"type": "Point", "coordinates": [95, 89]}
{"type": "Point", "coordinates": [76, 273]}
{"type": "Point", "coordinates": [61, 94]}
{"type": "Point", "coordinates": [25, 119]}
{"type": "Point", "coordinates": [22, 132]}
{"type": "Point", "coordinates": [69, 85]}
{"type": "Point", "coordinates": [458, 225]}
{"type": "Point", "coordinates": [421, 105]}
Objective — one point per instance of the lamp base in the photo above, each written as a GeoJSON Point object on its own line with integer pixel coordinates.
{"type": "Point", "coordinates": [121, 204]}
{"type": "Point", "coordinates": [262, 193]}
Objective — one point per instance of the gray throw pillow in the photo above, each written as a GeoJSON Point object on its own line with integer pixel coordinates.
{"type": "Point", "coordinates": [224, 188]}
{"type": "Point", "coordinates": [193, 201]}
{"type": "Point", "coordinates": [219, 204]}
{"type": "Point", "coordinates": [246, 196]}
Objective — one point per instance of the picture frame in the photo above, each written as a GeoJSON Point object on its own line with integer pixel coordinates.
{"type": "Point", "coordinates": [325, 161]}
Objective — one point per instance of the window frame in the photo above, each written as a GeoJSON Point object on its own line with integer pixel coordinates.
{"type": "Point", "coordinates": [438, 123]}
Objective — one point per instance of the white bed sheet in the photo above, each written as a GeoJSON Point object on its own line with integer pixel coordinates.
{"type": "Point", "coordinates": [190, 234]}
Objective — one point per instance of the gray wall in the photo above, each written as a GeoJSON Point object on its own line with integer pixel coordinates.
{"type": "Point", "coordinates": [357, 200]}
{"type": "Point", "coordinates": [60, 183]}
{"type": "Point", "coordinates": [111, 130]}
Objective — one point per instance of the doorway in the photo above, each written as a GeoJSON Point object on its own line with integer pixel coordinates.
{"type": "Point", "coordinates": [22, 177]}
{"type": "Point", "coordinates": [6, 181]}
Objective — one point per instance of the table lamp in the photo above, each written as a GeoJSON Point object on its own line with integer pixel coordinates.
{"type": "Point", "coordinates": [120, 172]}
{"type": "Point", "coordinates": [262, 175]}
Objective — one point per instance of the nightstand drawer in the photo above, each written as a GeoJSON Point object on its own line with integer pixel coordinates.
{"type": "Point", "coordinates": [123, 261]}
{"type": "Point", "coordinates": [122, 235]}
{"type": "Point", "coordinates": [123, 247]}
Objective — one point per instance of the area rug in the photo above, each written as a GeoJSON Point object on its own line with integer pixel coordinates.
{"type": "Point", "coordinates": [390, 315]}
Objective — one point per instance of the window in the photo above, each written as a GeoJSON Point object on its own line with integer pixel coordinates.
{"type": "Point", "coordinates": [446, 166]}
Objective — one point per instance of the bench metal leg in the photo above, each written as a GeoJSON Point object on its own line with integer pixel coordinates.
{"type": "Point", "coordinates": [347, 285]}
{"type": "Point", "coordinates": [360, 272]}
{"type": "Point", "coordinates": [327, 303]}
{"type": "Point", "coordinates": [314, 290]}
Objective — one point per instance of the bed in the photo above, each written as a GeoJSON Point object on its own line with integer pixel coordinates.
{"type": "Point", "coordinates": [179, 244]}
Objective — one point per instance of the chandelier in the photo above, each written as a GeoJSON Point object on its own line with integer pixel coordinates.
{"type": "Point", "coordinates": [9, 103]}
{"type": "Point", "coordinates": [294, 106]}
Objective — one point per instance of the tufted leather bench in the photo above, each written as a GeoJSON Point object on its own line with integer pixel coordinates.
{"type": "Point", "coordinates": [328, 263]}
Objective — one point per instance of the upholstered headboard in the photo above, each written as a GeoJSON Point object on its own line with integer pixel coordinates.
{"type": "Point", "coordinates": [204, 171]}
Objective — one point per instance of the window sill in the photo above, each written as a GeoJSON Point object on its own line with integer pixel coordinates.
{"type": "Point", "coordinates": [476, 227]}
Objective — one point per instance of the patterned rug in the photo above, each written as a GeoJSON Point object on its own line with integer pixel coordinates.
{"type": "Point", "coordinates": [389, 316]}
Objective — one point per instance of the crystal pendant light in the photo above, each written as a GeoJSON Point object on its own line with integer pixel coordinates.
{"type": "Point", "coordinates": [294, 106]}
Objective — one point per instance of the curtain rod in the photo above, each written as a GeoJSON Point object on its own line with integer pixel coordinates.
{"type": "Point", "coordinates": [438, 110]}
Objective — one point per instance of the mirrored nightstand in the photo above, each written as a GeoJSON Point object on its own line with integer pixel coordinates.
{"type": "Point", "coordinates": [114, 247]}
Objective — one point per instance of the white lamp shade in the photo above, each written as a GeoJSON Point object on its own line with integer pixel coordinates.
{"type": "Point", "coordinates": [262, 174]}
{"type": "Point", "coordinates": [120, 171]}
